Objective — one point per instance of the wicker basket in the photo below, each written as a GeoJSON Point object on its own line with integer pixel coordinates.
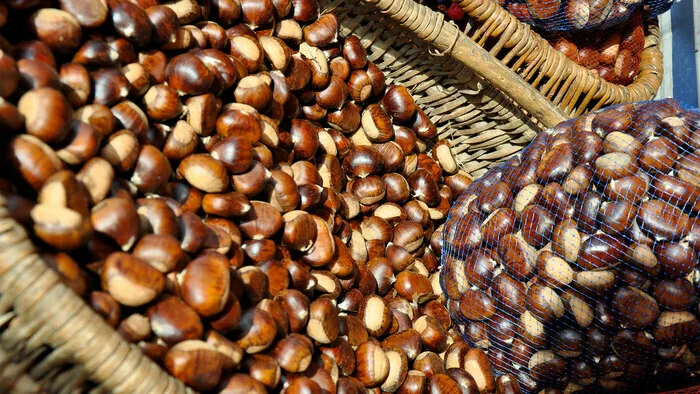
{"type": "Point", "coordinates": [478, 103]}
{"type": "Point", "coordinates": [568, 84]}
{"type": "Point", "coordinates": [51, 341]}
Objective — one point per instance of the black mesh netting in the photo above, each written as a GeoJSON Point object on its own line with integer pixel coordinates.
{"type": "Point", "coordinates": [574, 264]}
{"type": "Point", "coordinates": [577, 15]}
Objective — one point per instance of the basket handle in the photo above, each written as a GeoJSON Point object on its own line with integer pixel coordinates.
{"type": "Point", "coordinates": [447, 38]}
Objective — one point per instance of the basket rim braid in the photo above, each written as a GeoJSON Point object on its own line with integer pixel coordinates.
{"type": "Point", "coordinates": [567, 84]}
{"type": "Point", "coordinates": [51, 340]}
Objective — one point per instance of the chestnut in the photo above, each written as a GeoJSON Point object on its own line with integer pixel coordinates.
{"type": "Point", "coordinates": [241, 383]}
{"type": "Point", "coordinates": [318, 65]}
{"type": "Point", "coordinates": [542, 10]}
{"type": "Point", "coordinates": [117, 219]}
{"type": "Point", "coordinates": [131, 281]}
{"type": "Point", "coordinates": [91, 13]}
{"type": "Point", "coordinates": [544, 303]}
{"type": "Point", "coordinates": [105, 306]}
{"type": "Point", "coordinates": [293, 353]}
{"type": "Point", "coordinates": [131, 117]}
{"type": "Point", "coordinates": [373, 365]}
{"type": "Point", "coordinates": [305, 10]}
{"type": "Point", "coordinates": [635, 308]}
{"type": "Point", "coordinates": [334, 95]}
{"type": "Point", "coordinates": [517, 256]}
{"type": "Point", "coordinates": [673, 328]}
{"type": "Point", "coordinates": [253, 91]}
{"type": "Point", "coordinates": [152, 170]}
{"type": "Point", "coordinates": [173, 321]}
{"type": "Point", "coordinates": [196, 363]}
{"type": "Point", "coordinates": [662, 220]}
{"type": "Point", "coordinates": [47, 114]}
{"type": "Point", "coordinates": [188, 74]}
{"type": "Point", "coordinates": [121, 150]}
{"type": "Point", "coordinates": [658, 155]}
{"type": "Point", "coordinates": [10, 118]}
{"type": "Point", "coordinates": [204, 172]}
{"type": "Point", "coordinates": [546, 365]}
{"type": "Point", "coordinates": [164, 23]}
{"type": "Point", "coordinates": [162, 103]}
{"type": "Point", "coordinates": [256, 14]}
{"type": "Point", "coordinates": [58, 29]}
{"type": "Point", "coordinates": [323, 324]}
{"type": "Point", "coordinates": [60, 227]}
{"type": "Point", "coordinates": [289, 31]}
{"type": "Point", "coordinates": [75, 83]}
{"type": "Point", "coordinates": [205, 284]}
{"type": "Point", "coordinates": [675, 259]}
{"type": "Point", "coordinates": [98, 116]}
{"type": "Point", "coordinates": [677, 294]}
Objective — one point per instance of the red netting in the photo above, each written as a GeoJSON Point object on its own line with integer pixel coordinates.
{"type": "Point", "coordinates": [615, 53]}
{"type": "Point", "coordinates": [578, 15]}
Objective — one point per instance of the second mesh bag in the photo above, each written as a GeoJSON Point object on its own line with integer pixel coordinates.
{"type": "Point", "coordinates": [578, 15]}
{"type": "Point", "coordinates": [574, 264]}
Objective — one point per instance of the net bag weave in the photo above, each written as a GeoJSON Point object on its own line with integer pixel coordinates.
{"type": "Point", "coordinates": [574, 263]}
{"type": "Point", "coordinates": [580, 15]}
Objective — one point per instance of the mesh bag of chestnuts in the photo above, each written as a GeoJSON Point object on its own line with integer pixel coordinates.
{"type": "Point", "coordinates": [575, 263]}
{"type": "Point", "coordinates": [614, 53]}
{"type": "Point", "coordinates": [579, 15]}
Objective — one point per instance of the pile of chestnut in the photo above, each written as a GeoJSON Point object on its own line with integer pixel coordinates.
{"type": "Point", "coordinates": [236, 190]}
{"type": "Point", "coordinates": [615, 53]}
{"type": "Point", "coordinates": [574, 264]}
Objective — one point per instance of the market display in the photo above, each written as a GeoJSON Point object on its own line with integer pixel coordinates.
{"type": "Point", "coordinates": [237, 190]}
{"type": "Point", "coordinates": [574, 264]}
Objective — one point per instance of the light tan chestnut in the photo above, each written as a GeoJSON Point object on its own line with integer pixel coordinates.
{"type": "Point", "coordinates": [60, 227]}
{"type": "Point", "coordinates": [204, 172]}
{"type": "Point", "coordinates": [375, 315]}
{"type": "Point", "coordinates": [131, 281]}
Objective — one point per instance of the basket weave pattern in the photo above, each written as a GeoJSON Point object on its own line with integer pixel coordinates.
{"type": "Point", "coordinates": [484, 125]}
{"type": "Point", "coordinates": [51, 341]}
{"type": "Point", "coordinates": [568, 84]}
{"type": "Point", "coordinates": [457, 87]}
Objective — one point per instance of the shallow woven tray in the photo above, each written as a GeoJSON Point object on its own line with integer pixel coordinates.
{"type": "Point", "coordinates": [51, 341]}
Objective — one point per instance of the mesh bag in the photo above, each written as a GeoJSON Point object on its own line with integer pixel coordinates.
{"type": "Point", "coordinates": [578, 15]}
{"type": "Point", "coordinates": [574, 263]}
{"type": "Point", "coordinates": [614, 53]}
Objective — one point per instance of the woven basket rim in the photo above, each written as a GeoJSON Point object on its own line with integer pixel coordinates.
{"type": "Point", "coordinates": [490, 12]}
{"type": "Point", "coordinates": [561, 81]}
